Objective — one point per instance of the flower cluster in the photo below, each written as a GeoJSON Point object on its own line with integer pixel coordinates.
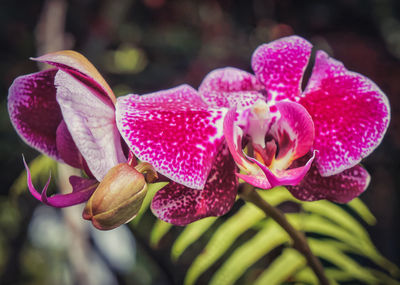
{"type": "Point", "coordinates": [260, 128]}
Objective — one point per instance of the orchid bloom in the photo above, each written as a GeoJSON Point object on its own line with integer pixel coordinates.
{"type": "Point", "coordinates": [68, 113]}
{"type": "Point", "coordinates": [261, 128]}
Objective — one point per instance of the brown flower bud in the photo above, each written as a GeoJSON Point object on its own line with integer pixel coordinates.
{"type": "Point", "coordinates": [117, 199]}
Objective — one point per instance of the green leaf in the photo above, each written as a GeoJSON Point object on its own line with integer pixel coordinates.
{"type": "Point", "coordinates": [362, 210]}
{"type": "Point", "coordinates": [222, 239]}
{"type": "Point", "coordinates": [230, 230]}
{"type": "Point", "coordinates": [306, 276]}
{"type": "Point", "coordinates": [321, 225]}
{"type": "Point", "coordinates": [160, 228]}
{"type": "Point", "coordinates": [189, 235]}
{"type": "Point", "coordinates": [368, 251]}
{"type": "Point", "coordinates": [283, 267]}
{"type": "Point", "coordinates": [338, 215]}
{"type": "Point", "coordinates": [338, 275]}
{"type": "Point", "coordinates": [151, 191]}
{"type": "Point", "coordinates": [247, 254]}
{"type": "Point", "coordinates": [384, 279]}
{"type": "Point", "coordinates": [342, 261]}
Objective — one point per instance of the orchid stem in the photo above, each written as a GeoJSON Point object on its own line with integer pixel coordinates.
{"type": "Point", "coordinates": [299, 240]}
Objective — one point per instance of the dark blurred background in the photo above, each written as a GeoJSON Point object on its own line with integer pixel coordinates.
{"type": "Point", "coordinates": [142, 46]}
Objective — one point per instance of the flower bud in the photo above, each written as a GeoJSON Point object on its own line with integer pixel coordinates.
{"type": "Point", "coordinates": [117, 199]}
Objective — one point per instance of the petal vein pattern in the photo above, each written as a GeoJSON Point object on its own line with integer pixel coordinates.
{"type": "Point", "coordinates": [91, 121]}
{"type": "Point", "coordinates": [174, 130]}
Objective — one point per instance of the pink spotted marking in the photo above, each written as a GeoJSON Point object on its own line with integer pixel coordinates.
{"type": "Point", "coordinates": [174, 130]}
{"type": "Point", "coordinates": [350, 114]}
{"type": "Point", "coordinates": [180, 205]}
{"type": "Point", "coordinates": [280, 66]}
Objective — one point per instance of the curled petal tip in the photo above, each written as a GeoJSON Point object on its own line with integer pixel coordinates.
{"type": "Point", "coordinates": [41, 197]}
{"type": "Point", "coordinates": [82, 190]}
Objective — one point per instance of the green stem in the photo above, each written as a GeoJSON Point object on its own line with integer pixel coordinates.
{"type": "Point", "coordinates": [299, 240]}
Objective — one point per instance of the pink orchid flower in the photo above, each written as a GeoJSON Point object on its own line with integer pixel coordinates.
{"type": "Point", "coordinates": [68, 113]}
{"type": "Point", "coordinates": [262, 124]}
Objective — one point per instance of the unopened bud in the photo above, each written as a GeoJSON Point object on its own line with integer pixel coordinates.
{"type": "Point", "coordinates": [117, 199]}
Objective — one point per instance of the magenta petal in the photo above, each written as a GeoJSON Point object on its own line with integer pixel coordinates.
{"type": "Point", "coordinates": [294, 131]}
{"type": "Point", "coordinates": [34, 111]}
{"type": "Point", "coordinates": [180, 205]}
{"type": "Point", "coordinates": [286, 177]}
{"type": "Point", "coordinates": [258, 181]}
{"type": "Point", "coordinates": [340, 188]}
{"type": "Point", "coordinates": [82, 190]}
{"type": "Point", "coordinates": [67, 148]}
{"type": "Point", "coordinates": [229, 87]}
{"type": "Point", "coordinates": [280, 65]}
{"type": "Point", "coordinates": [174, 130]}
{"type": "Point", "coordinates": [233, 136]}
{"type": "Point", "coordinates": [90, 119]}
{"type": "Point", "coordinates": [350, 114]}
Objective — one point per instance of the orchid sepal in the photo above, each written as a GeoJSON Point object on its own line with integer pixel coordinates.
{"type": "Point", "coordinates": [79, 66]}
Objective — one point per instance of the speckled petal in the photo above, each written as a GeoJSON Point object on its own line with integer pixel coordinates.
{"type": "Point", "coordinates": [90, 119]}
{"type": "Point", "coordinates": [180, 205]}
{"type": "Point", "coordinates": [174, 130]}
{"type": "Point", "coordinates": [230, 87]}
{"type": "Point", "coordinates": [82, 190]}
{"type": "Point", "coordinates": [340, 188]}
{"type": "Point", "coordinates": [280, 66]}
{"type": "Point", "coordinates": [66, 147]}
{"type": "Point", "coordinates": [80, 67]}
{"type": "Point", "coordinates": [34, 111]}
{"type": "Point", "coordinates": [233, 137]}
{"type": "Point", "coordinates": [350, 114]}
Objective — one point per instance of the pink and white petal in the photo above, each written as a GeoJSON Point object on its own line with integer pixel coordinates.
{"type": "Point", "coordinates": [82, 190]}
{"type": "Point", "coordinates": [340, 188]}
{"type": "Point", "coordinates": [174, 130]}
{"type": "Point", "coordinates": [91, 121]}
{"type": "Point", "coordinates": [258, 181]}
{"type": "Point", "coordinates": [233, 136]}
{"type": "Point", "coordinates": [280, 66]}
{"type": "Point", "coordinates": [76, 64]}
{"type": "Point", "coordinates": [179, 205]}
{"type": "Point", "coordinates": [66, 147]}
{"type": "Point", "coordinates": [229, 87]}
{"type": "Point", "coordinates": [350, 114]}
{"type": "Point", "coordinates": [293, 132]}
{"type": "Point", "coordinates": [291, 176]}
{"type": "Point", "coordinates": [34, 111]}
